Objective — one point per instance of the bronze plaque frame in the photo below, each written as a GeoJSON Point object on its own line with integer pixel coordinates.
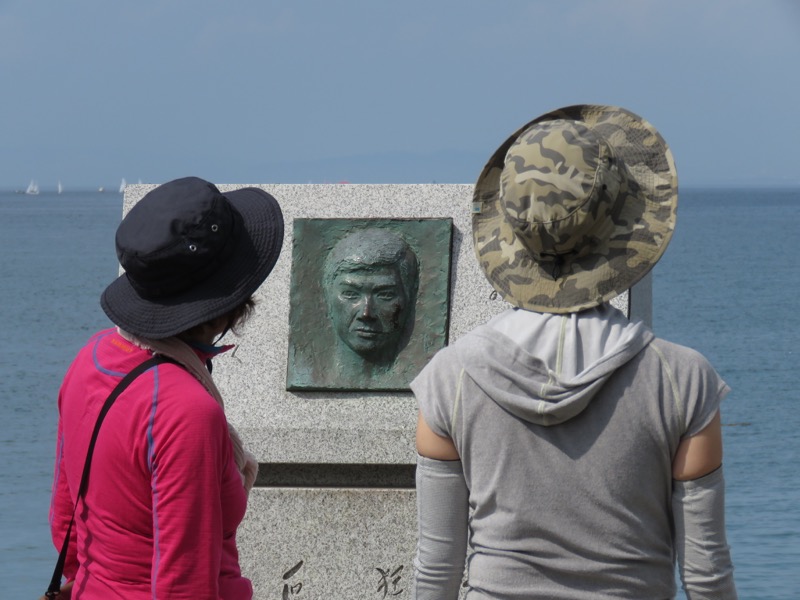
{"type": "Point", "coordinates": [318, 357]}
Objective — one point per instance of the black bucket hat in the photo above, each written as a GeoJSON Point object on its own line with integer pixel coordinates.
{"type": "Point", "coordinates": [191, 254]}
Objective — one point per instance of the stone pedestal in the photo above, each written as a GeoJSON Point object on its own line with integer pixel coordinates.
{"type": "Point", "coordinates": [326, 543]}
{"type": "Point", "coordinates": [333, 515]}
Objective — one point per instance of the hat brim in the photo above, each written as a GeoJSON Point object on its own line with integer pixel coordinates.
{"type": "Point", "coordinates": [642, 224]}
{"type": "Point", "coordinates": [256, 252]}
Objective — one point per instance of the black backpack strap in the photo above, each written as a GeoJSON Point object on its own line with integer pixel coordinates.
{"type": "Point", "coordinates": [55, 583]}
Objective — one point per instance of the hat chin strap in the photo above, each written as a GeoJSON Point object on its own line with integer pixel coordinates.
{"type": "Point", "coordinates": [228, 327]}
{"type": "Point", "coordinates": [553, 257]}
{"type": "Point", "coordinates": [555, 262]}
{"type": "Point", "coordinates": [222, 335]}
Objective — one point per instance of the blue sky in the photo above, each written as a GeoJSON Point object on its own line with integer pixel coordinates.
{"type": "Point", "coordinates": [258, 91]}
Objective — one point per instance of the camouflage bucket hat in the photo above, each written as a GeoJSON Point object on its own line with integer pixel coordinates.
{"type": "Point", "coordinates": [574, 208]}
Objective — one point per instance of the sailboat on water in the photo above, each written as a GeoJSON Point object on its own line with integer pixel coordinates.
{"type": "Point", "coordinates": [33, 188]}
{"type": "Point", "coordinates": [60, 187]}
{"type": "Point", "coordinates": [123, 184]}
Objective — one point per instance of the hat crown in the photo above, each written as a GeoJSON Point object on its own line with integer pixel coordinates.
{"type": "Point", "coordinates": [574, 208]}
{"type": "Point", "coordinates": [558, 188]}
{"type": "Point", "coordinates": [176, 236]}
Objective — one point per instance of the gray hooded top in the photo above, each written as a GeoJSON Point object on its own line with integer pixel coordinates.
{"type": "Point", "coordinates": [566, 426]}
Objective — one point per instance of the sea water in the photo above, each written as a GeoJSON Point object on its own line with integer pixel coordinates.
{"type": "Point", "coordinates": [57, 253]}
{"type": "Point", "coordinates": [728, 286]}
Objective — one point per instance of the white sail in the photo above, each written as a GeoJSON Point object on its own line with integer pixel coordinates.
{"type": "Point", "coordinates": [33, 188]}
{"type": "Point", "coordinates": [60, 187]}
{"type": "Point", "coordinates": [122, 185]}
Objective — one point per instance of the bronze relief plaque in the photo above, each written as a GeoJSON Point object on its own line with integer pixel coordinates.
{"type": "Point", "coordinates": [370, 301]}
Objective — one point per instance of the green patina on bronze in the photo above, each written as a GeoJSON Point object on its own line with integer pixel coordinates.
{"type": "Point", "coordinates": [369, 301]}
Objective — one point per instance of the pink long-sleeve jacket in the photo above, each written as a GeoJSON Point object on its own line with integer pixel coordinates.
{"type": "Point", "coordinates": [164, 497]}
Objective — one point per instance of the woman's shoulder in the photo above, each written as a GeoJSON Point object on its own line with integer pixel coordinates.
{"type": "Point", "coordinates": [184, 389]}
{"type": "Point", "coordinates": [681, 357]}
{"type": "Point", "coordinates": [181, 406]}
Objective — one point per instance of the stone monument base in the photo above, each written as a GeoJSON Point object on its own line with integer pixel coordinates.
{"type": "Point", "coordinates": [329, 543]}
{"type": "Point", "coordinates": [333, 515]}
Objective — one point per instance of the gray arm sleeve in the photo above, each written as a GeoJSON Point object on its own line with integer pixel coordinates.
{"type": "Point", "coordinates": [704, 559]}
{"type": "Point", "coordinates": [442, 513]}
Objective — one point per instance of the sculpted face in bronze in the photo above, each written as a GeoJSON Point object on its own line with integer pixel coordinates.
{"type": "Point", "coordinates": [369, 302]}
{"type": "Point", "coordinates": [370, 280]}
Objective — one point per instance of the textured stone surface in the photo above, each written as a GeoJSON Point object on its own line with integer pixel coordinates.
{"type": "Point", "coordinates": [339, 427]}
{"type": "Point", "coordinates": [355, 544]}
{"type": "Point", "coordinates": [332, 543]}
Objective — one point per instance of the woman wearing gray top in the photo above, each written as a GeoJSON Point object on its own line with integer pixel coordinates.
{"type": "Point", "coordinates": [564, 451]}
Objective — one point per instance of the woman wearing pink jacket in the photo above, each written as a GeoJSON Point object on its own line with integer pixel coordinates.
{"type": "Point", "coordinates": [169, 476]}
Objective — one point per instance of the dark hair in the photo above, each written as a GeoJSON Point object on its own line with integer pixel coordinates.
{"type": "Point", "coordinates": [234, 318]}
{"type": "Point", "coordinates": [373, 247]}
{"type": "Point", "coordinates": [241, 314]}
